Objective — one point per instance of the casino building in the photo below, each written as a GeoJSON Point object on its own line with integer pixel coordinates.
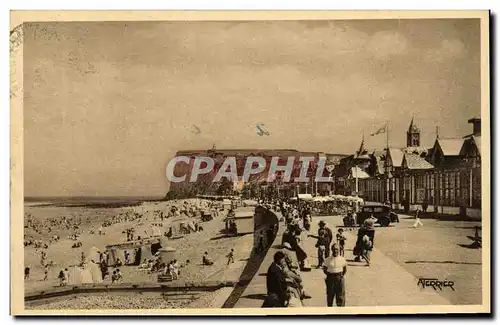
{"type": "Point", "coordinates": [445, 178]}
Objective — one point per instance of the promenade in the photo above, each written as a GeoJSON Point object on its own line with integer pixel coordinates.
{"type": "Point", "coordinates": [383, 283]}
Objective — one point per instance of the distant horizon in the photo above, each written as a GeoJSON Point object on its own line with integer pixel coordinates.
{"type": "Point", "coordinates": [52, 197]}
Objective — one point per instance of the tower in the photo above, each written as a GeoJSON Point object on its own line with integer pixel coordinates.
{"type": "Point", "coordinates": [413, 135]}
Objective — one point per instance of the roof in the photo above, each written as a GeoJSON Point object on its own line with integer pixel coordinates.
{"type": "Point", "coordinates": [357, 172]}
{"type": "Point", "coordinates": [363, 157]}
{"type": "Point", "coordinates": [396, 156]}
{"type": "Point", "coordinates": [477, 140]}
{"type": "Point", "coordinates": [416, 150]}
{"type": "Point", "coordinates": [413, 128]}
{"type": "Point", "coordinates": [451, 147]}
{"type": "Point", "coordinates": [413, 161]}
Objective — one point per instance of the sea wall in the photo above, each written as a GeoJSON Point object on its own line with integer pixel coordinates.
{"type": "Point", "coordinates": [266, 226]}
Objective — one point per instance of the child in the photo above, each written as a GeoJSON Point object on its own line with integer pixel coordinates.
{"type": "Point", "coordinates": [230, 257]}
{"type": "Point", "coordinates": [206, 260]}
{"type": "Point", "coordinates": [175, 270]}
{"type": "Point", "coordinates": [66, 276]}
{"type": "Point", "coordinates": [127, 257]}
{"type": "Point", "coordinates": [119, 275]}
{"type": "Point", "coordinates": [417, 220]}
{"type": "Point", "coordinates": [62, 278]}
{"type": "Point", "coordinates": [114, 277]}
{"type": "Point", "coordinates": [367, 247]}
{"type": "Point", "coordinates": [26, 273]}
{"type": "Point", "coordinates": [341, 241]}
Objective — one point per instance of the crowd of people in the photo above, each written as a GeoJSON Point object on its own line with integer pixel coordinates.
{"type": "Point", "coordinates": [41, 233]}
{"type": "Point", "coordinates": [284, 281]}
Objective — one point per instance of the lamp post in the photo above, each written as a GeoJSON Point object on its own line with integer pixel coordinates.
{"type": "Point", "coordinates": [356, 178]}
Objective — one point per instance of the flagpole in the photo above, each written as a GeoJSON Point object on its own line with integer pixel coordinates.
{"type": "Point", "coordinates": [387, 133]}
{"type": "Point", "coordinates": [388, 185]}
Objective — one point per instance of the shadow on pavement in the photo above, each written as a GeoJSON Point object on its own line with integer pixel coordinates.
{"type": "Point", "coordinates": [257, 296]}
{"type": "Point", "coordinates": [231, 236]}
{"type": "Point", "coordinates": [470, 246]}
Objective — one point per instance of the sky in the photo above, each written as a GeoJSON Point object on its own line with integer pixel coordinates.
{"type": "Point", "coordinates": [107, 104]}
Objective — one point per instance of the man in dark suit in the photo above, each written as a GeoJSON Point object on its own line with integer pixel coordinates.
{"type": "Point", "coordinates": [276, 282]}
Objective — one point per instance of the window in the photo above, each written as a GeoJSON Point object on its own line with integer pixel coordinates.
{"type": "Point", "coordinates": [414, 140]}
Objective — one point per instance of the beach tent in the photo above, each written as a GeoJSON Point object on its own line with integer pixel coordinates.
{"type": "Point", "coordinates": [155, 231]}
{"type": "Point", "coordinates": [79, 275]}
{"type": "Point", "coordinates": [145, 252]}
{"type": "Point", "coordinates": [167, 254]}
{"type": "Point", "coordinates": [117, 253]}
{"type": "Point", "coordinates": [117, 250]}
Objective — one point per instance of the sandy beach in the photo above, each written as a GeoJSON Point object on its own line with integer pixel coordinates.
{"type": "Point", "coordinates": [189, 248]}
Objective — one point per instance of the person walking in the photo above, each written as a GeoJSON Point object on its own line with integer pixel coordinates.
{"type": "Point", "coordinates": [361, 250]}
{"type": "Point", "coordinates": [417, 223]}
{"type": "Point", "coordinates": [335, 269]}
{"type": "Point", "coordinates": [328, 235]}
{"type": "Point", "coordinates": [230, 257]}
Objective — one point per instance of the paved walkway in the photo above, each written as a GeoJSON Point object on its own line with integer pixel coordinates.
{"type": "Point", "coordinates": [383, 283]}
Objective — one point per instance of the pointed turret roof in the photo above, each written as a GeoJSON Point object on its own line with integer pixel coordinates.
{"type": "Point", "coordinates": [413, 128]}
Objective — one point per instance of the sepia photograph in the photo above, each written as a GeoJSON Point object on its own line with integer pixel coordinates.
{"type": "Point", "coordinates": [250, 163]}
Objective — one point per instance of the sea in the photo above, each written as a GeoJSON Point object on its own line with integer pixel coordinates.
{"type": "Point", "coordinates": [87, 200]}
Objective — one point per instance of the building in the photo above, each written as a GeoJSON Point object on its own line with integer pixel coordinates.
{"type": "Point", "coordinates": [443, 179]}
{"type": "Point", "coordinates": [258, 184]}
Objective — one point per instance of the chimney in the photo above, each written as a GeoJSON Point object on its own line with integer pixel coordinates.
{"type": "Point", "coordinates": [476, 125]}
